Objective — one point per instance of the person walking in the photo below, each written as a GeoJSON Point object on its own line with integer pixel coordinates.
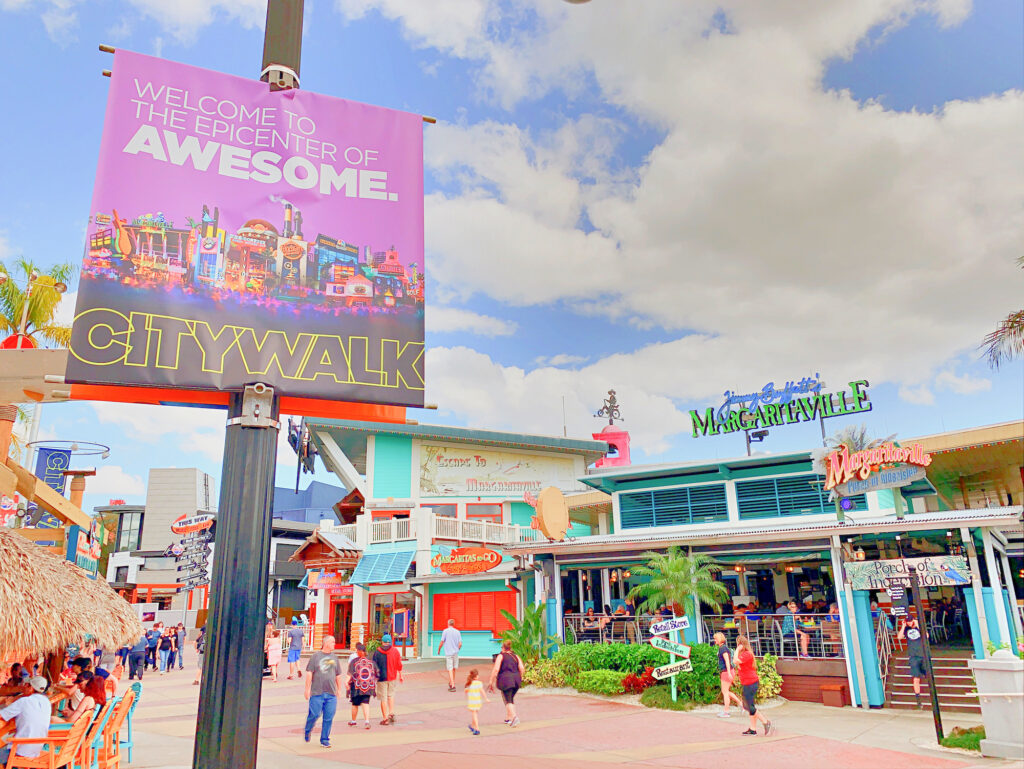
{"type": "Point", "coordinates": [388, 661]}
{"type": "Point", "coordinates": [295, 638]}
{"type": "Point", "coordinates": [200, 650]}
{"type": "Point", "coordinates": [747, 667]}
{"type": "Point", "coordinates": [274, 653]}
{"type": "Point", "coordinates": [451, 643]}
{"type": "Point", "coordinates": [911, 633]}
{"type": "Point", "coordinates": [166, 646]}
{"type": "Point", "coordinates": [137, 658]}
{"type": "Point", "coordinates": [153, 639]}
{"type": "Point", "coordinates": [725, 674]}
{"type": "Point", "coordinates": [507, 676]}
{"type": "Point", "coordinates": [180, 636]}
{"type": "Point", "coordinates": [323, 678]}
{"type": "Point", "coordinates": [474, 695]}
{"type": "Point", "coordinates": [361, 684]}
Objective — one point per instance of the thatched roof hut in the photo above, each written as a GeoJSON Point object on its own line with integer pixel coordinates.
{"type": "Point", "coordinates": [47, 603]}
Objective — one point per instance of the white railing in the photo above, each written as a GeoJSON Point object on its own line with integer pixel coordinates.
{"type": "Point", "coordinates": [346, 530]}
{"type": "Point", "coordinates": [446, 527]}
{"type": "Point", "coordinates": [392, 530]}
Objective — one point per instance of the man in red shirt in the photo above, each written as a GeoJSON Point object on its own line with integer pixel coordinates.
{"type": "Point", "coordinates": [388, 660]}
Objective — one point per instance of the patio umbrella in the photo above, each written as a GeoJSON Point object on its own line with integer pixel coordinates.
{"type": "Point", "coordinates": [47, 603]}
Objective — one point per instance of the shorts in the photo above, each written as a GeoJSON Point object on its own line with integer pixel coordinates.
{"type": "Point", "coordinates": [294, 654]}
{"type": "Point", "coordinates": [359, 699]}
{"type": "Point", "coordinates": [749, 695]}
{"type": "Point", "coordinates": [725, 677]}
{"type": "Point", "coordinates": [508, 696]}
{"type": "Point", "coordinates": [386, 688]}
{"type": "Point", "coordinates": [917, 668]}
{"type": "Point", "coordinates": [451, 661]}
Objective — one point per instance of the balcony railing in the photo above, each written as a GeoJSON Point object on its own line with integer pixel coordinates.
{"type": "Point", "coordinates": [484, 532]}
{"type": "Point", "coordinates": [392, 530]}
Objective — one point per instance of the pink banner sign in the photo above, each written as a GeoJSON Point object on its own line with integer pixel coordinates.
{"type": "Point", "coordinates": [239, 234]}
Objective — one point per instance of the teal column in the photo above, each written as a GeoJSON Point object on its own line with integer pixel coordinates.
{"type": "Point", "coordinates": [1009, 619]}
{"type": "Point", "coordinates": [551, 617]}
{"type": "Point", "coordinates": [988, 597]}
{"type": "Point", "coordinates": [868, 651]}
{"type": "Point", "coordinates": [848, 650]}
{"type": "Point", "coordinates": [972, 619]}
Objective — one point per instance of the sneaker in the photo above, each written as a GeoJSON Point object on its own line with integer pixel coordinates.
{"type": "Point", "coordinates": [306, 735]}
{"type": "Point", "coordinates": [750, 731]}
{"type": "Point", "coordinates": [723, 714]}
{"type": "Point", "coordinates": [385, 722]}
{"type": "Point", "coordinates": [768, 728]}
{"type": "Point", "coordinates": [451, 689]}
{"type": "Point", "coordinates": [326, 745]}
{"type": "Point", "coordinates": [476, 732]}
{"type": "Point", "coordinates": [391, 718]}
{"type": "Point", "coordinates": [507, 721]}
{"type": "Point", "coordinates": [514, 721]}
{"type": "Point", "coordinates": [351, 723]}
{"type": "Point", "coordinates": [367, 725]}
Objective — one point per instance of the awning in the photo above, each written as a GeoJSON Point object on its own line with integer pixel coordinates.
{"type": "Point", "coordinates": [769, 557]}
{"type": "Point", "coordinates": [382, 567]}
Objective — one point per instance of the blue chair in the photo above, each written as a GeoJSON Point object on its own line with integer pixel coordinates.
{"type": "Point", "coordinates": [136, 686]}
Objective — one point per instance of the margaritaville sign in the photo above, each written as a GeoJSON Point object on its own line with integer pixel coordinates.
{"type": "Point", "coordinates": [796, 401]}
{"type": "Point", "coordinates": [844, 469]}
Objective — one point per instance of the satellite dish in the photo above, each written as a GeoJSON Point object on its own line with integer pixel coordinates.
{"type": "Point", "coordinates": [552, 513]}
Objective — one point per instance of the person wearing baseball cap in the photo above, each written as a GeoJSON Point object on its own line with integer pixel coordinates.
{"type": "Point", "coordinates": [31, 716]}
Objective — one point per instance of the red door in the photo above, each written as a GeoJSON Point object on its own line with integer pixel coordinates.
{"type": "Point", "coordinates": [341, 625]}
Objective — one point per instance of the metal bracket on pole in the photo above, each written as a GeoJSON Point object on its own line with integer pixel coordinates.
{"type": "Point", "coordinates": [257, 408]}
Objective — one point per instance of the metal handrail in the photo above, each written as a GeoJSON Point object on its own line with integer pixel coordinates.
{"type": "Point", "coordinates": [884, 646]}
{"type": "Point", "coordinates": [765, 632]}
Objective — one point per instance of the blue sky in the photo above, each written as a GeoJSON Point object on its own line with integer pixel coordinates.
{"type": "Point", "coordinates": [672, 200]}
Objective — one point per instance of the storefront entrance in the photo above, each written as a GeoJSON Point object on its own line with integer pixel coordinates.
{"type": "Point", "coordinates": [341, 622]}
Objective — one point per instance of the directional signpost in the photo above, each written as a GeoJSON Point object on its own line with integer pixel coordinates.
{"type": "Point", "coordinates": [676, 649]}
{"type": "Point", "coordinates": [670, 670]}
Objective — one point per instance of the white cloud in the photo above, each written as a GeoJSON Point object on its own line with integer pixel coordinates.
{"type": "Point", "coordinates": [60, 20]}
{"type": "Point", "coordinates": [962, 384]}
{"type": "Point", "coordinates": [184, 18]}
{"type": "Point", "coordinates": [112, 481]}
{"type": "Point", "coordinates": [919, 396]}
{"type": "Point", "coordinates": [65, 314]}
{"type": "Point", "coordinates": [452, 319]}
{"type": "Point", "coordinates": [561, 359]}
{"type": "Point", "coordinates": [194, 430]}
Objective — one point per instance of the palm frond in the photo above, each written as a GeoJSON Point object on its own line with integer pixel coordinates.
{"type": "Point", "coordinates": [1007, 341]}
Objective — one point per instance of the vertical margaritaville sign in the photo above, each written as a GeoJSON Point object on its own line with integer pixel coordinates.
{"type": "Point", "coordinates": [796, 401]}
{"type": "Point", "coordinates": [240, 234]}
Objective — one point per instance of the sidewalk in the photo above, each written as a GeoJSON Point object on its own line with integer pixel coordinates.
{"type": "Point", "coordinates": [558, 731]}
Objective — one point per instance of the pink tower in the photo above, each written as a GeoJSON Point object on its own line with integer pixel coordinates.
{"type": "Point", "coordinates": [616, 438]}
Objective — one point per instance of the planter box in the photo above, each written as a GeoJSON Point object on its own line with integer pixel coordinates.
{"type": "Point", "coordinates": [1000, 680]}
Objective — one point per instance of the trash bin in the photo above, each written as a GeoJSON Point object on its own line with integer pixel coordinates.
{"type": "Point", "coordinates": [833, 695]}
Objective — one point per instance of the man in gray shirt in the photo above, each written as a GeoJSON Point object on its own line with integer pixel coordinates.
{"type": "Point", "coordinates": [181, 634]}
{"type": "Point", "coordinates": [324, 675]}
{"type": "Point", "coordinates": [451, 642]}
{"type": "Point", "coordinates": [295, 639]}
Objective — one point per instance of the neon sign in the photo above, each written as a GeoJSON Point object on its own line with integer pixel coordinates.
{"type": "Point", "coordinates": [841, 466]}
{"type": "Point", "coordinates": [771, 407]}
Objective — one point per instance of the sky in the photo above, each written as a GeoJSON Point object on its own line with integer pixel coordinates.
{"type": "Point", "coordinates": [668, 199]}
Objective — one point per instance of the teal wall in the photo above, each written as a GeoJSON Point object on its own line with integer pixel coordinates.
{"type": "Point", "coordinates": [1009, 619]}
{"type": "Point", "coordinates": [521, 513]}
{"type": "Point", "coordinates": [972, 620]}
{"type": "Point", "coordinates": [474, 643]}
{"type": "Point", "coordinates": [392, 466]}
{"type": "Point", "coordinates": [855, 696]}
{"type": "Point", "coordinates": [988, 598]}
{"type": "Point", "coordinates": [886, 500]}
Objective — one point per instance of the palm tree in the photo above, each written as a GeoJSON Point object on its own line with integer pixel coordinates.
{"type": "Point", "coordinates": [1007, 341]}
{"type": "Point", "coordinates": [42, 304]}
{"type": "Point", "coordinates": [678, 579]}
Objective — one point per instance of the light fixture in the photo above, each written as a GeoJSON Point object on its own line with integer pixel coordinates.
{"type": "Point", "coordinates": [789, 568]}
{"type": "Point", "coordinates": [74, 447]}
{"type": "Point", "coordinates": [949, 535]}
{"type": "Point", "coordinates": [59, 287]}
{"type": "Point", "coordinates": [626, 574]}
{"type": "Point", "coordinates": [105, 455]}
{"type": "Point", "coordinates": [859, 554]}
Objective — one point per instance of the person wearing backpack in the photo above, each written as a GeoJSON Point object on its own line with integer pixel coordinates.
{"type": "Point", "coordinates": [361, 685]}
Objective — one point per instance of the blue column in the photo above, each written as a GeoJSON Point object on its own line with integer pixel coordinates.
{"type": "Point", "coordinates": [551, 617]}
{"type": "Point", "coordinates": [868, 651]}
{"type": "Point", "coordinates": [988, 597]}
{"type": "Point", "coordinates": [972, 619]}
{"type": "Point", "coordinates": [1009, 619]}
{"type": "Point", "coordinates": [848, 649]}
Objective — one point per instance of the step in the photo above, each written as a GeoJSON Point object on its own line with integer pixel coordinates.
{"type": "Point", "coordinates": [944, 707]}
{"type": "Point", "coordinates": [940, 675]}
{"type": "Point", "coordinates": [939, 667]}
{"type": "Point", "coordinates": [907, 687]}
{"type": "Point", "coordinates": [944, 699]}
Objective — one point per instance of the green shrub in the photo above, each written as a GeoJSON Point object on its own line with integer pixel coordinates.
{"type": "Point", "coordinates": [966, 739]}
{"type": "Point", "coordinates": [544, 673]}
{"type": "Point", "coordinates": [371, 645]}
{"type": "Point", "coordinates": [660, 696]}
{"type": "Point", "coordinates": [703, 685]}
{"type": "Point", "coordinates": [770, 679]}
{"type": "Point", "coordinates": [600, 682]}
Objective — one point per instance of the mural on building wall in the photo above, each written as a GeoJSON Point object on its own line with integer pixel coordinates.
{"type": "Point", "coordinates": [453, 471]}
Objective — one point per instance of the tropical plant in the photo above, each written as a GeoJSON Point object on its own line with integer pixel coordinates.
{"type": "Point", "coordinates": [42, 303]}
{"type": "Point", "coordinates": [600, 682]}
{"type": "Point", "coordinates": [529, 636]}
{"type": "Point", "coordinates": [637, 684]}
{"type": "Point", "coordinates": [853, 437]}
{"type": "Point", "coordinates": [678, 579]}
{"type": "Point", "coordinates": [769, 679]}
{"type": "Point", "coordinates": [545, 673]}
{"type": "Point", "coordinates": [1007, 341]}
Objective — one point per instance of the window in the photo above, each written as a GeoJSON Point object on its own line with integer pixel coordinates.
{"type": "Point", "coordinates": [673, 507]}
{"type": "Point", "coordinates": [788, 496]}
{"type": "Point", "coordinates": [387, 515]}
{"type": "Point", "coordinates": [129, 531]}
{"type": "Point", "coordinates": [382, 610]}
{"type": "Point", "coordinates": [475, 611]}
{"type": "Point", "coordinates": [121, 574]}
{"type": "Point", "coordinates": [448, 511]}
{"type": "Point", "coordinates": [160, 564]}
{"type": "Point", "coordinates": [483, 512]}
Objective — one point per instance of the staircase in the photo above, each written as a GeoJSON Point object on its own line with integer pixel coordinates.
{"type": "Point", "coordinates": [953, 679]}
